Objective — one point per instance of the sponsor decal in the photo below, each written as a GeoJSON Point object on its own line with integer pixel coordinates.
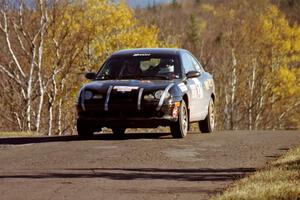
{"type": "Point", "coordinates": [182, 87]}
{"type": "Point", "coordinates": [142, 54]}
{"type": "Point", "coordinates": [199, 89]}
{"type": "Point", "coordinates": [125, 88]}
{"type": "Point", "coordinates": [206, 83]}
{"type": "Point", "coordinates": [211, 83]}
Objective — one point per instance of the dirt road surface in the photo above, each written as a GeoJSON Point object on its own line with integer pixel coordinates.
{"type": "Point", "coordinates": [142, 166]}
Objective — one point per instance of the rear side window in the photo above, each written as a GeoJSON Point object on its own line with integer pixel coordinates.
{"type": "Point", "coordinates": [187, 63]}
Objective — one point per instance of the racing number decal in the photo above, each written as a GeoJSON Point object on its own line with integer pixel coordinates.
{"type": "Point", "coordinates": [199, 89]}
{"type": "Point", "coordinates": [182, 87]}
{"type": "Point", "coordinates": [208, 84]}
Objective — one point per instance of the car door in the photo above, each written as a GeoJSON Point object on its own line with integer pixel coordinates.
{"type": "Point", "coordinates": [203, 100]}
{"type": "Point", "coordinates": [195, 87]}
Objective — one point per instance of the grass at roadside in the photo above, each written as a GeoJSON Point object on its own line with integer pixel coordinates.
{"type": "Point", "coordinates": [17, 134]}
{"type": "Point", "coordinates": [280, 180]}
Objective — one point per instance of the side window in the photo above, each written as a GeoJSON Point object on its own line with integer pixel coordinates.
{"type": "Point", "coordinates": [196, 64]}
{"type": "Point", "coordinates": [187, 63]}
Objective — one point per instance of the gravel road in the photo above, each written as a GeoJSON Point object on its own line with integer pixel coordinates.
{"type": "Point", "coordinates": [142, 166]}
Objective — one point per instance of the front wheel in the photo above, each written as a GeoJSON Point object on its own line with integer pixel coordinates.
{"type": "Point", "coordinates": [180, 128]}
{"type": "Point", "coordinates": [84, 131]}
{"type": "Point", "coordinates": [208, 124]}
{"type": "Point", "coordinates": [119, 132]}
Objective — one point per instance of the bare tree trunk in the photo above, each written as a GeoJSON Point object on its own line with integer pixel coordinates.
{"type": "Point", "coordinates": [50, 120]}
{"type": "Point", "coordinates": [43, 24]}
{"type": "Point", "coordinates": [5, 30]}
{"type": "Point", "coordinates": [52, 99]}
{"type": "Point", "coordinates": [263, 89]}
{"type": "Point", "coordinates": [252, 84]}
{"type": "Point", "coordinates": [60, 130]}
{"type": "Point", "coordinates": [29, 90]}
{"type": "Point", "coordinates": [25, 81]}
{"type": "Point", "coordinates": [227, 109]}
{"type": "Point", "coordinates": [233, 88]}
{"type": "Point", "coordinates": [19, 121]}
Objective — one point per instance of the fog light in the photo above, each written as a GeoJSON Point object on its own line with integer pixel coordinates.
{"type": "Point", "coordinates": [158, 94]}
{"type": "Point", "coordinates": [175, 111]}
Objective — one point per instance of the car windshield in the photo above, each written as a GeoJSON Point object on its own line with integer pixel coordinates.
{"type": "Point", "coordinates": [140, 67]}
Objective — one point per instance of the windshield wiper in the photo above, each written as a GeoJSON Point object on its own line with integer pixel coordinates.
{"type": "Point", "coordinates": [129, 77]}
{"type": "Point", "coordinates": [155, 76]}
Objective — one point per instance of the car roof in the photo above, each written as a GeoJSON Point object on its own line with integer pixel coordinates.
{"type": "Point", "coordinates": [155, 51]}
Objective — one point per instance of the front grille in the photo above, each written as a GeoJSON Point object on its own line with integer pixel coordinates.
{"type": "Point", "coordinates": [120, 114]}
{"type": "Point", "coordinates": [128, 97]}
{"type": "Point", "coordinates": [124, 112]}
{"type": "Point", "coordinates": [122, 104]}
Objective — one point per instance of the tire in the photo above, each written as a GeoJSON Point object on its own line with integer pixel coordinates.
{"type": "Point", "coordinates": [119, 132]}
{"type": "Point", "coordinates": [180, 128]}
{"type": "Point", "coordinates": [208, 124]}
{"type": "Point", "coordinates": [84, 131]}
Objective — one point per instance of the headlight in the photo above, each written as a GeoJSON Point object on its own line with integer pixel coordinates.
{"type": "Point", "coordinates": [159, 93]}
{"type": "Point", "coordinates": [88, 95]}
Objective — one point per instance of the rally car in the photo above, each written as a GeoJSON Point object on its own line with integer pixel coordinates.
{"type": "Point", "coordinates": [147, 88]}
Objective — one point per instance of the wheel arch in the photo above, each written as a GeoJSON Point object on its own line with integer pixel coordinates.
{"type": "Point", "coordinates": [185, 98]}
{"type": "Point", "coordinates": [213, 97]}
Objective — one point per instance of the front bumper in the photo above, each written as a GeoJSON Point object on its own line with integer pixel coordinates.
{"type": "Point", "coordinates": [147, 117]}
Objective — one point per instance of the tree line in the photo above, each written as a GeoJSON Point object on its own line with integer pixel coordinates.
{"type": "Point", "coordinates": [46, 46]}
{"type": "Point", "coordinates": [252, 50]}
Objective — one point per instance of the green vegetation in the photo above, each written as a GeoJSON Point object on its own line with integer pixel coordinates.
{"type": "Point", "coordinates": [281, 180]}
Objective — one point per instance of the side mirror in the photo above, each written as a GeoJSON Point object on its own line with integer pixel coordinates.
{"type": "Point", "coordinates": [90, 75]}
{"type": "Point", "coordinates": [193, 74]}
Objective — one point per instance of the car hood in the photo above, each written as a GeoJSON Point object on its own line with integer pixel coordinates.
{"type": "Point", "coordinates": [102, 86]}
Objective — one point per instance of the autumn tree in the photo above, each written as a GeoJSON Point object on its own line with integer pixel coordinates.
{"type": "Point", "coordinates": [251, 50]}
{"type": "Point", "coordinates": [245, 64]}
{"type": "Point", "coordinates": [23, 32]}
{"type": "Point", "coordinates": [45, 55]}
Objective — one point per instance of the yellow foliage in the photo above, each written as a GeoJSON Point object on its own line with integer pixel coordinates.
{"type": "Point", "coordinates": [281, 42]}
{"type": "Point", "coordinates": [207, 8]}
{"type": "Point", "coordinates": [280, 36]}
{"type": "Point", "coordinates": [287, 82]}
{"type": "Point", "coordinates": [105, 27]}
{"type": "Point", "coordinates": [202, 26]}
{"type": "Point", "coordinates": [82, 34]}
{"type": "Point", "coordinates": [112, 27]}
{"type": "Point", "coordinates": [267, 53]}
